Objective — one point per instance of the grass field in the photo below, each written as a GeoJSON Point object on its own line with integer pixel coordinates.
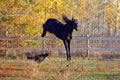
{"type": "Point", "coordinates": [56, 68]}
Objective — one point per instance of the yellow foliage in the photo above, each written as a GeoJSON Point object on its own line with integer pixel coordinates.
{"type": "Point", "coordinates": [28, 18]}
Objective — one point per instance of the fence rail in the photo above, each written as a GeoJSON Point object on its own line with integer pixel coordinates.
{"type": "Point", "coordinates": [87, 38]}
{"type": "Point", "coordinates": [54, 38]}
{"type": "Point", "coordinates": [50, 49]}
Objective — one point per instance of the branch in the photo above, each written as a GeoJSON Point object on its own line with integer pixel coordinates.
{"type": "Point", "coordinates": [15, 14]}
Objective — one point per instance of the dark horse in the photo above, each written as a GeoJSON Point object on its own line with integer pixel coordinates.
{"type": "Point", "coordinates": [62, 31]}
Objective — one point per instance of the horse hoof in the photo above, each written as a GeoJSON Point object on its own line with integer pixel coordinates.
{"type": "Point", "coordinates": [69, 59]}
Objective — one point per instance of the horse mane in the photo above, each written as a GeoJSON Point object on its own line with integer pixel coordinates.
{"type": "Point", "coordinates": [65, 19]}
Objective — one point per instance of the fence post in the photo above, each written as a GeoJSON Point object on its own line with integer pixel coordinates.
{"type": "Point", "coordinates": [44, 46]}
{"type": "Point", "coordinates": [6, 43]}
{"type": "Point", "coordinates": [88, 46]}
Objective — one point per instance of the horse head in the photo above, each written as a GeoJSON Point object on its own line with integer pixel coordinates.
{"type": "Point", "coordinates": [73, 23]}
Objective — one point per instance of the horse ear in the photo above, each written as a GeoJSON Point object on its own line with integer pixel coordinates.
{"type": "Point", "coordinates": [65, 18]}
{"type": "Point", "coordinates": [76, 20]}
{"type": "Point", "coordinates": [73, 19]}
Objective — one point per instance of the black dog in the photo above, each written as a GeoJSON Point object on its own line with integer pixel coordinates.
{"type": "Point", "coordinates": [38, 58]}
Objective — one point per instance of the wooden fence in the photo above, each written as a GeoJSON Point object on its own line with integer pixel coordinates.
{"type": "Point", "coordinates": [91, 43]}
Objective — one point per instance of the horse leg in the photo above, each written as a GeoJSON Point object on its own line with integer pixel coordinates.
{"type": "Point", "coordinates": [69, 56]}
{"type": "Point", "coordinates": [65, 44]}
{"type": "Point", "coordinates": [67, 49]}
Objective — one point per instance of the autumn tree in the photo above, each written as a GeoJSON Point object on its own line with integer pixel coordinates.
{"type": "Point", "coordinates": [24, 18]}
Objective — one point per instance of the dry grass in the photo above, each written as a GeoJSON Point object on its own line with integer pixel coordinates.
{"type": "Point", "coordinates": [55, 68]}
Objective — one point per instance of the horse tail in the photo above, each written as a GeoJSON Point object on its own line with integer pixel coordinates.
{"type": "Point", "coordinates": [44, 30]}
